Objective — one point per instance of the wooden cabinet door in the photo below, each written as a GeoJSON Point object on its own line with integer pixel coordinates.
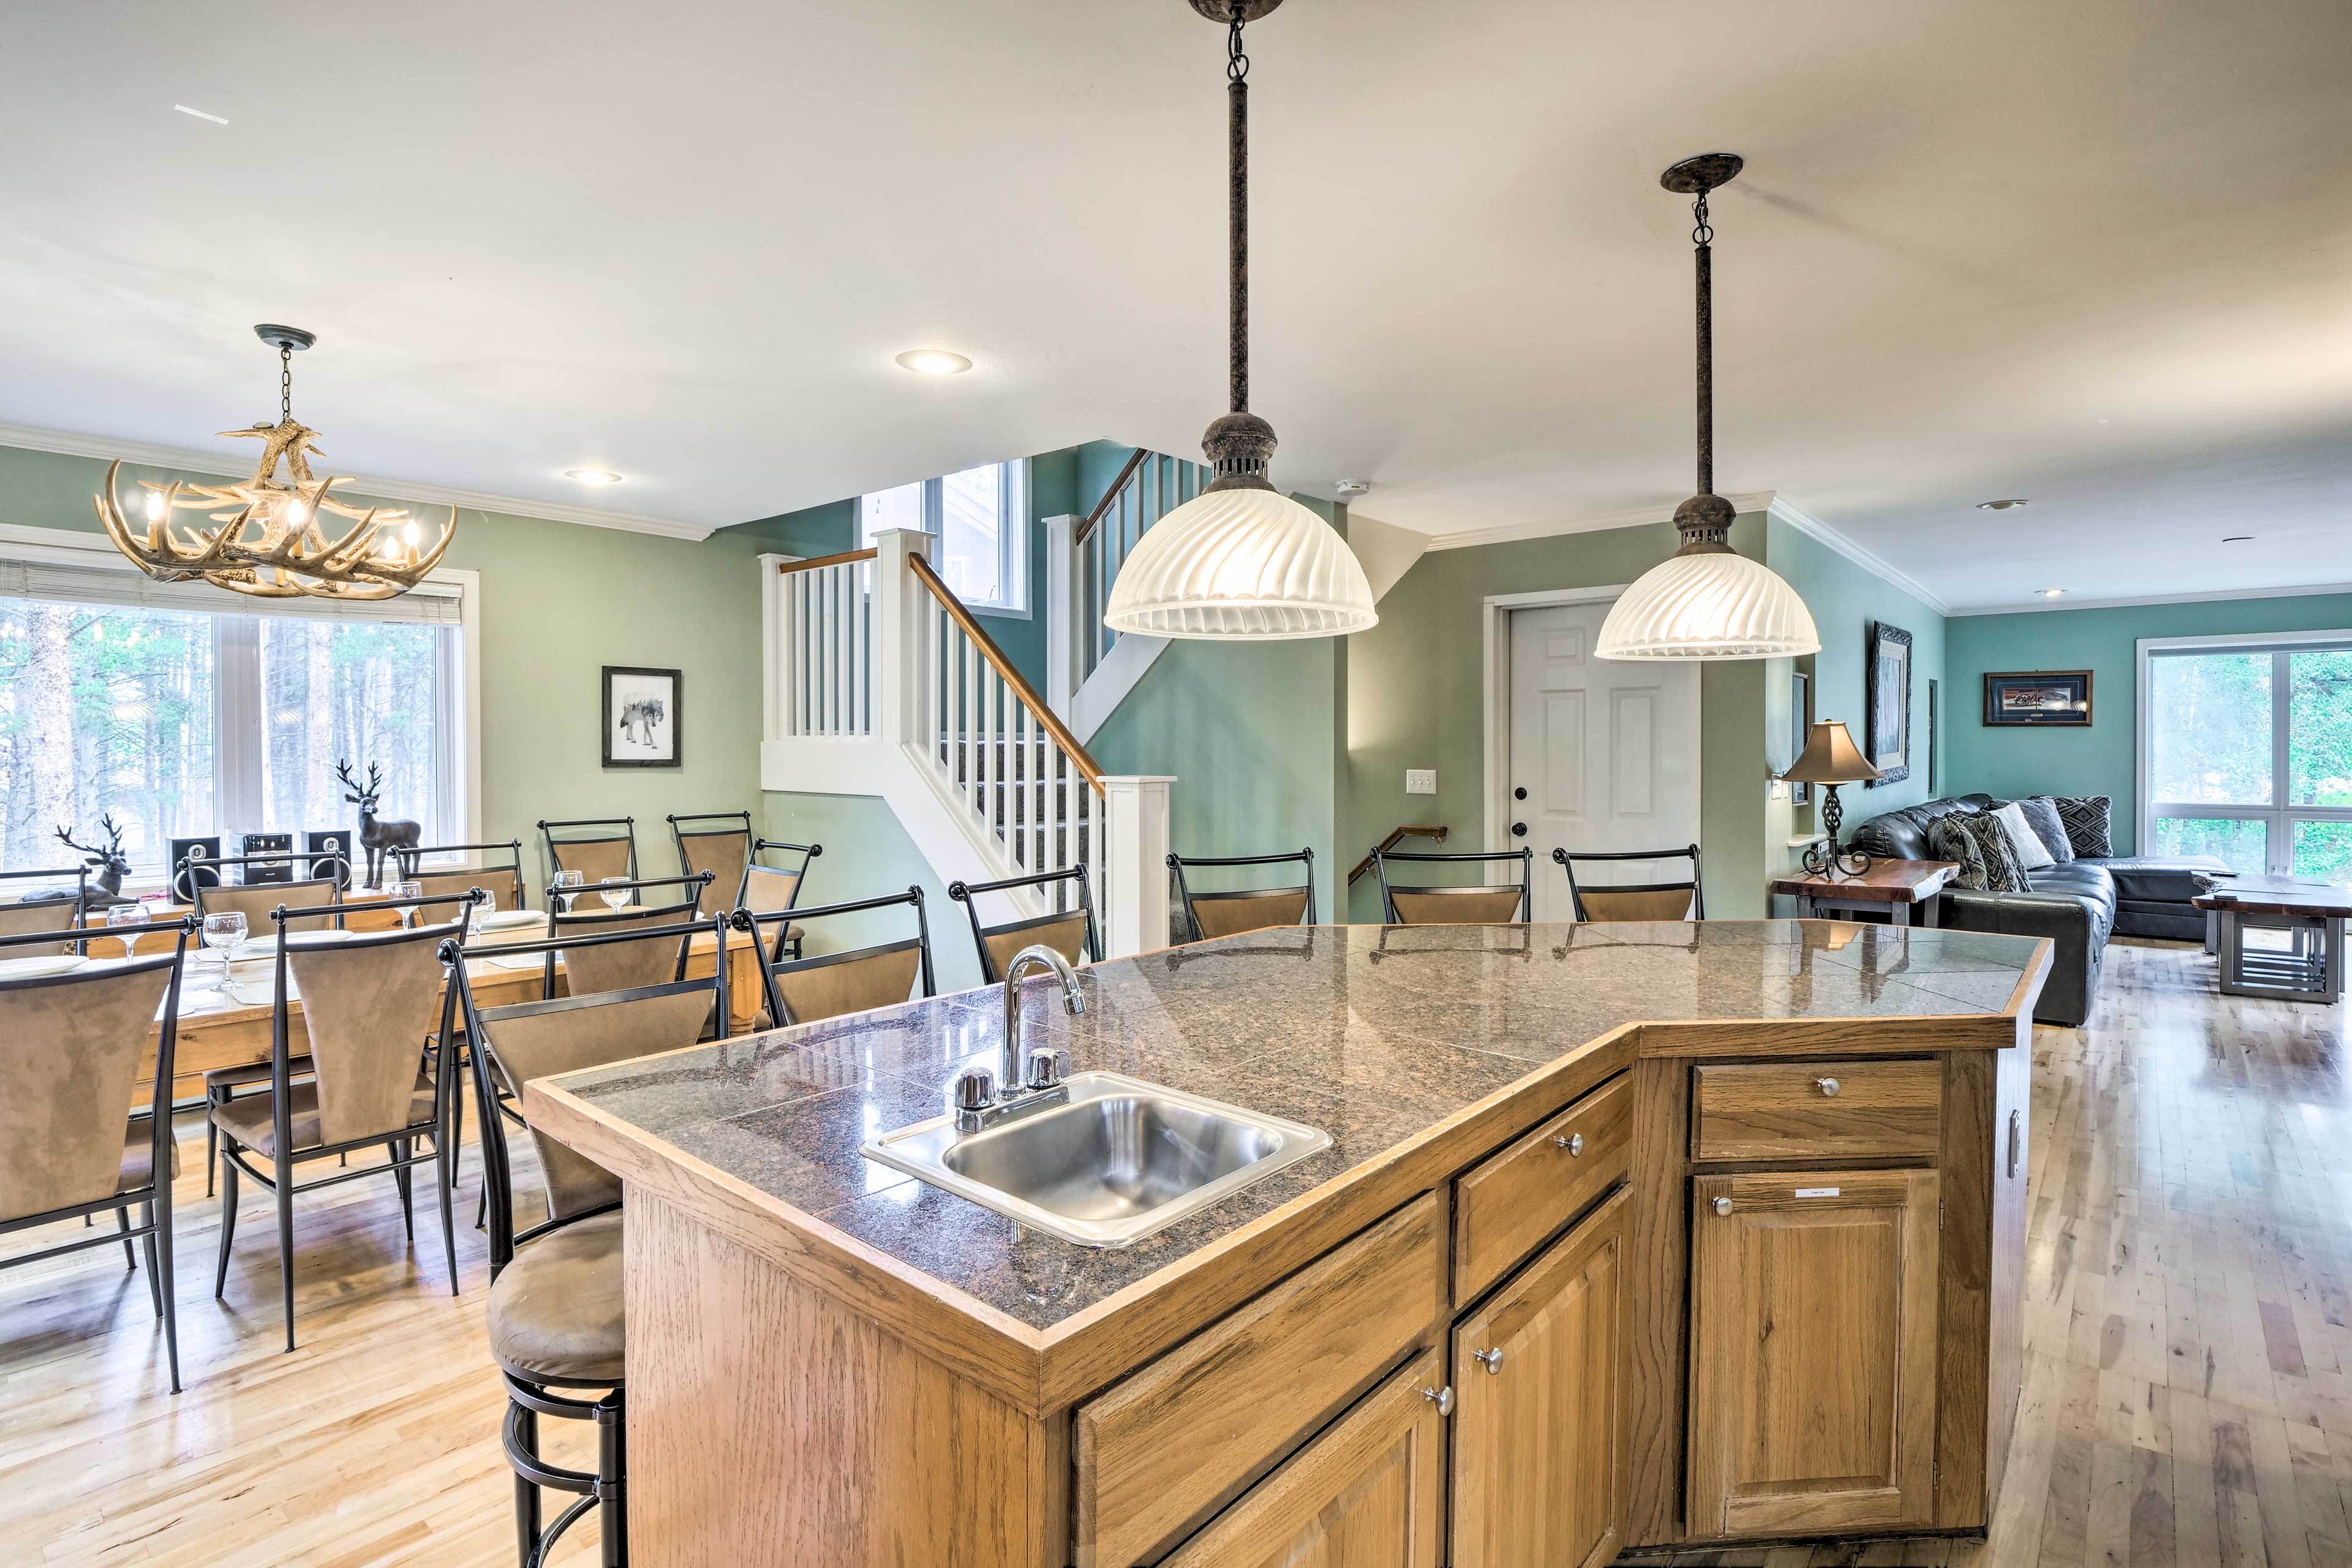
{"type": "Point", "coordinates": [1366, 1493]}
{"type": "Point", "coordinates": [1812, 1392]}
{"type": "Point", "coordinates": [1539, 1416]}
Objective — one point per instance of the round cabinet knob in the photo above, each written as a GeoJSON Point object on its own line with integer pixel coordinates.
{"type": "Point", "coordinates": [1573, 1144]}
{"type": "Point", "coordinates": [1491, 1360]}
{"type": "Point", "coordinates": [1829, 1086]}
{"type": "Point", "coordinates": [1441, 1397]}
{"type": "Point", "coordinates": [1723, 1205]}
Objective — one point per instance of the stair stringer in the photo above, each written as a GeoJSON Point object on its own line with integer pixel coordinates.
{"type": "Point", "coordinates": [1121, 670]}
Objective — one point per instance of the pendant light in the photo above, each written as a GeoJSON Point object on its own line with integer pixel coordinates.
{"type": "Point", "coordinates": [1241, 561]}
{"type": "Point", "coordinates": [1706, 600]}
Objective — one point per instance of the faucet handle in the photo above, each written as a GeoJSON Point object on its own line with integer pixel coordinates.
{"type": "Point", "coordinates": [1048, 1067]}
{"type": "Point", "coordinates": [974, 1089]}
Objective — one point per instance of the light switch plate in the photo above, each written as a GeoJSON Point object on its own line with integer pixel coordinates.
{"type": "Point", "coordinates": [1421, 781]}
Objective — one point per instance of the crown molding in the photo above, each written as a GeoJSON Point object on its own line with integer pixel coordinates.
{"type": "Point", "coordinates": [1814, 528]}
{"type": "Point", "coordinates": [1634, 517]}
{"type": "Point", "coordinates": [2044, 606]}
{"type": "Point", "coordinates": [107, 449]}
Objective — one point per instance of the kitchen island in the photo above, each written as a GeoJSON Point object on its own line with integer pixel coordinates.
{"type": "Point", "coordinates": [1687, 1232]}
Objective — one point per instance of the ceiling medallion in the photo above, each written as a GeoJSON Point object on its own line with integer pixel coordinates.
{"type": "Point", "coordinates": [1241, 561]}
{"type": "Point", "coordinates": [1706, 600]}
{"type": "Point", "coordinates": [266, 540]}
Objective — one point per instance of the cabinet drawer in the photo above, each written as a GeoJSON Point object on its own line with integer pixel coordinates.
{"type": "Point", "coordinates": [1806, 1110]}
{"type": "Point", "coordinates": [1160, 1449]}
{"type": "Point", "coordinates": [1506, 1205]}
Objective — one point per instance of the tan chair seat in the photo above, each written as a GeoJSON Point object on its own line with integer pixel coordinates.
{"type": "Point", "coordinates": [139, 1158]}
{"type": "Point", "coordinates": [555, 1310]}
{"type": "Point", "coordinates": [248, 1120]}
{"type": "Point", "coordinates": [244, 1073]}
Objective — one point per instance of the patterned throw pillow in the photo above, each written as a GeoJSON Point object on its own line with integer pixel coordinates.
{"type": "Point", "coordinates": [2084, 818]}
{"type": "Point", "coordinates": [2042, 815]}
{"type": "Point", "coordinates": [1975, 840]}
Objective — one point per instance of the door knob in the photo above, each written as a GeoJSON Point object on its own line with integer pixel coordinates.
{"type": "Point", "coordinates": [1441, 1397]}
{"type": "Point", "coordinates": [1518, 830]}
{"type": "Point", "coordinates": [1723, 1205]}
{"type": "Point", "coordinates": [1491, 1360]}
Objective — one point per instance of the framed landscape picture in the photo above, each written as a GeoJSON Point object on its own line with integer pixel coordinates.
{"type": "Point", "coordinates": [1886, 720]}
{"type": "Point", "coordinates": [642, 718]}
{"type": "Point", "coordinates": [2038, 697]}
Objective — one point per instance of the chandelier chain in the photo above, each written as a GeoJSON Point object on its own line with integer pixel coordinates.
{"type": "Point", "coordinates": [1237, 64]}
{"type": "Point", "coordinates": [1702, 233]}
{"type": "Point", "coordinates": [1237, 215]}
{"type": "Point", "coordinates": [285, 384]}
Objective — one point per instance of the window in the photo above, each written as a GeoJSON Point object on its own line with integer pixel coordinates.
{"type": "Point", "coordinates": [980, 518]}
{"type": "Point", "coordinates": [173, 708]}
{"type": "Point", "coordinates": [2247, 752]}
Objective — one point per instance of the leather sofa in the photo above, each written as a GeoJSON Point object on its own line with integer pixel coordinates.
{"type": "Point", "coordinates": [2077, 904]}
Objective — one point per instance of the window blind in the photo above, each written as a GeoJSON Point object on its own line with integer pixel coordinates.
{"type": "Point", "coordinates": [429, 603]}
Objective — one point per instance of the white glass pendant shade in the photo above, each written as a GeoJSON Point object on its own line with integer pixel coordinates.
{"type": "Point", "coordinates": [1245, 564]}
{"type": "Point", "coordinates": [1710, 605]}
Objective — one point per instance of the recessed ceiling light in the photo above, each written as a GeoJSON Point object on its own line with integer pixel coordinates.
{"type": "Point", "coordinates": [592, 476]}
{"type": "Point", "coordinates": [933, 362]}
{"type": "Point", "coordinates": [2010, 503]}
{"type": "Point", "coordinates": [200, 114]}
{"type": "Point", "coordinates": [2051, 593]}
{"type": "Point", "coordinates": [1349, 490]}
{"type": "Point", "coordinates": [2237, 539]}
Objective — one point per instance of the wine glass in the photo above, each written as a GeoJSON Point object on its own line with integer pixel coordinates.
{"type": "Point", "coordinates": [122, 915]}
{"type": "Point", "coordinates": [224, 934]}
{"type": "Point", "coordinates": [616, 894]}
{"type": "Point", "coordinates": [569, 879]}
{"type": "Point", "coordinates": [403, 896]}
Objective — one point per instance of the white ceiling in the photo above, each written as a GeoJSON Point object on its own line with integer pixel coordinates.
{"type": "Point", "coordinates": [2093, 252]}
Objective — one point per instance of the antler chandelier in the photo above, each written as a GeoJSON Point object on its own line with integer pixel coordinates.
{"type": "Point", "coordinates": [268, 539]}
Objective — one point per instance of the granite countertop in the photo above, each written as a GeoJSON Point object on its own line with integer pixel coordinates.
{"type": "Point", "coordinates": [1375, 1034]}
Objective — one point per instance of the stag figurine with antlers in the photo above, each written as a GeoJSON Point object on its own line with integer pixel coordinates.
{"type": "Point", "coordinates": [107, 860]}
{"type": "Point", "coordinates": [376, 835]}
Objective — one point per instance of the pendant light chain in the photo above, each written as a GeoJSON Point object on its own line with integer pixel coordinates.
{"type": "Point", "coordinates": [1702, 238]}
{"type": "Point", "coordinates": [285, 384]}
{"type": "Point", "coordinates": [1237, 215]}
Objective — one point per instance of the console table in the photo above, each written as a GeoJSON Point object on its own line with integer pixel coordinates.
{"type": "Point", "coordinates": [1891, 887]}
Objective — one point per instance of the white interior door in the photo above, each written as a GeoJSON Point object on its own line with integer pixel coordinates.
{"type": "Point", "coordinates": [1606, 753]}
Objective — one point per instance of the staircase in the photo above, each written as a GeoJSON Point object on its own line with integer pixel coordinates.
{"type": "Point", "coordinates": [1091, 669]}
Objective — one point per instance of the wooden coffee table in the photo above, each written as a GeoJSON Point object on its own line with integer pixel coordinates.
{"type": "Point", "coordinates": [2311, 967]}
{"type": "Point", "coordinates": [1892, 888]}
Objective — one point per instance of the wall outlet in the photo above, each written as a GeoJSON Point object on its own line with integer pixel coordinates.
{"type": "Point", "coordinates": [1421, 781]}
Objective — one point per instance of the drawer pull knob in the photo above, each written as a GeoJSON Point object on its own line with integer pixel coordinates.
{"type": "Point", "coordinates": [1493, 1361]}
{"type": "Point", "coordinates": [1723, 1205]}
{"type": "Point", "coordinates": [1441, 1397]}
{"type": "Point", "coordinates": [1571, 1141]}
{"type": "Point", "coordinates": [1829, 1086]}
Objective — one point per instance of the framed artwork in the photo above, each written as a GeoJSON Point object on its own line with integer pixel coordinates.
{"type": "Point", "coordinates": [1934, 741]}
{"type": "Point", "coordinates": [1801, 715]}
{"type": "Point", "coordinates": [642, 718]}
{"type": "Point", "coordinates": [1886, 734]}
{"type": "Point", "coordinates": [2038, 697]}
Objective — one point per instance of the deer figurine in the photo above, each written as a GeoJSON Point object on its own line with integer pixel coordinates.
{"type": "Point", "coordinates": [376, 835]}
{"type": "Point", "coordinates": [111, 863]}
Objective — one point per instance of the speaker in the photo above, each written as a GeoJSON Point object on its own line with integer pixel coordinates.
{"type": "Point", "coordinates": [330, 842]}
{"type": "Point", "coordinates": [206, 847]}
{"type": "Point", "coordinates": [267, 844]}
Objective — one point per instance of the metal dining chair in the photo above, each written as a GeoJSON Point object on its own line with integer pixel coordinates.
{"type": "Point", "coordinates": [1068, 929]}
{"type": "Point", "coordinates": [502, 880]}
{"type": "Point", "coordinates": [1233, 911]}
{"type": "Point", "coordinates": [44, 911]}
{"type": "Point", "coordinates": [591, 845]}
{"type": "Point", "coordinates": [1634, 901]}
{"type": "Point", "coordinates": [718, 842]}
{"type": "Point", "coordinates": [71, 1046]}
{"type": "Point", "coordinates": [1442, 904]}
{"type": "Point", "coordinates": [805, 990]}
{"type": "Point", "coordinates": [768, 888]}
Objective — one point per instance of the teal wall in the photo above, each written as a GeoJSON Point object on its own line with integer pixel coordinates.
{"type": "Point", "coordinates": [2102, 758]}
{"type": "Point", "coordinates": [559, 601]}
{"type": "Point", "coordinates": [867, 853]}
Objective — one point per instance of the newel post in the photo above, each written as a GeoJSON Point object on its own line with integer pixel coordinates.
{"type": "Point", "coordinates": [1061, 611]}
{"type": "Point", "coordinates": [899, 624]}
{"type": "Point", "coordinates": [774, 645]}
{"type": "Point", "coordinates": [1133, 885]}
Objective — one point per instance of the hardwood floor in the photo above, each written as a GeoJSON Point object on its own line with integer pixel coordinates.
{"type": "Point", "coordinates": [2187, 1397]}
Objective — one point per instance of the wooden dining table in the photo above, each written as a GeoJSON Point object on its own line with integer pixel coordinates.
{"type": "Point", "coordinates": [219, 1030]}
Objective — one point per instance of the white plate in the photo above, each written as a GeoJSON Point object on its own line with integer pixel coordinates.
{"type": "Point", "coordinates": [38, 968]}
{"type": "Point", "coordinates": [255, 946]}
{"type": "Point", "coordinates": [511, 919]}
{"type": "Point", "coordinates": [528, 960]}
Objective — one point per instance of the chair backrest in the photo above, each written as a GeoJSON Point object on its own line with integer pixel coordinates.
{"type": "Point", "coordinates": [369, 1003]}
{"type": "Point", "coordinates": [1231, 912]}
{"type": "Point", "coordinates": [1635, 901]}
{"type": "Point", "coordinates": [319, 897]}
{"type": "Point", "coordinates": [499, 875]}
{"type": "Point", "coordinates": [1068, 929]}
{"type": "Point", "coordinates": [71, 1047]}
{"type": "Point", "coordinates": [718, 842]}
{"type": "Point", "coordinates": [598, 848]}
{"type": "Point", "coordinates": [831, 985]}
{"type": "Point", "coordinates": [767, 889]}
{"type": "Point", "coordinates": [62, 915]}
{"type": "Point", "coordinates": [626, 965]}
{"type": "Point", "coordinates": [1440, 904]}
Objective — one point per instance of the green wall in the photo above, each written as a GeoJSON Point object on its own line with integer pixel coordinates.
{"type": "Point", "coordinates": [2102, 758]}
{"type": "Point", "coordinates": [559, 601]}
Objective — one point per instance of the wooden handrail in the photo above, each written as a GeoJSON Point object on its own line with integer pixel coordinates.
{"type": "Point", "coordinates": [1102, 507]}
{"type": "Point", "coordinates": [1028, 693]}
{"type": "Point", "coordinates": [811, 565]}
{"type": "Point", "coordinates": [1436, 831]}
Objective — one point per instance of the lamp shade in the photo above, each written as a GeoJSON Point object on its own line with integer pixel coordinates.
{"type": "Point", "coordinates": [1246, 563]}
{"type": "Point", "coordinates": [1830, 757]}
{"type": "Point", "coordinates": [1716, 605]}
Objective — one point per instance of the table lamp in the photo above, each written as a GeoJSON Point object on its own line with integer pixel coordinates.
{"type": "Point", "coordinates": [1831, 758]}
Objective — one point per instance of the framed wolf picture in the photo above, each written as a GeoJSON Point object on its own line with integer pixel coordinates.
{"type": "Point", "coordinates": [643, 718]}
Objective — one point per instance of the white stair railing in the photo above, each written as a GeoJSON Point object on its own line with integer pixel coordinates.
{"type": "Point", "coordinates": [826, 611]}
{"type": "Point", "coordinates": [1147, 488]}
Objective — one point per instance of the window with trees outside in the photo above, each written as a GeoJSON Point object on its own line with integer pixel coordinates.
{"type": "Point", "coordinates": [980, 518]}
{"type": "Point", "coordinates": [167, 708]}
{"type": "Point", "coordinates": [2248, 756]}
